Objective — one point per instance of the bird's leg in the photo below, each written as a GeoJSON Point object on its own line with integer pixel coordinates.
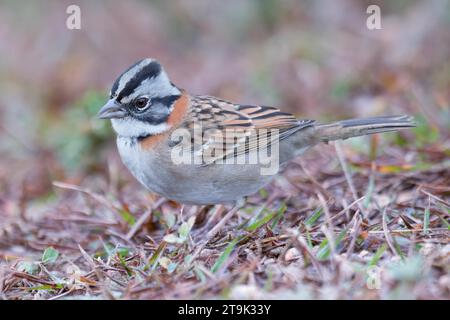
{"type": "Point", "coordinates": [210, 222]}
{"type": "Point", "coordinates": [211, 233]}
{"type": "Point", "coordinates": [180, 213]}
{"type": "Point", "coordinates": [201, 220]}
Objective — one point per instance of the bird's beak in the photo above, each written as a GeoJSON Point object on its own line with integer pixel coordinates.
{"type": "Point", "coordinates": [111, 110]}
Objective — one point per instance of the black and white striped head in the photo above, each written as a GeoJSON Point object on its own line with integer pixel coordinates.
{"type": "Point", "coordinates": [141, 100]}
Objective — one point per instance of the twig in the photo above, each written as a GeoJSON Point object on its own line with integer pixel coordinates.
{"type": "Point", "coordinates": [32, 278]}
{"type": "Point", "coordinates": [62, 294]}
{"type": "Point", "coordinates": [100, 276]}
{"type": "Point", "coordinates": [347, 174]}
{"type": "Point", "coordinates": [354, 236]}
{"type": "Point", "coordinates": [301, 242]}
{"type": "Point", "coordinates": [337, 215]}
{"type": "Point", "coordinates": [213, 218]}
{"type": "Point", "coordinates": [314, 180]}
{"type": "Point", "coordinates": [386, 233]}
{"type": "Point", "coordinates": [88, 258]}
{"type": "Point", "coordinates": [100, 199]}
{"type": "Point", "coordinates": [418, 230]}
{"type": "Point", "coordinates": [327, 226]}
{"type": "Point", "coordinates": [144, 218]}
{"type": "Point", "coordinates": [214, 231]}
{"type": "Point", "coordinates": [436, 198]}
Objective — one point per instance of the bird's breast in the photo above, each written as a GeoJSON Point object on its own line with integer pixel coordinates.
{"type": "Point", "coordinates": [189, 183]}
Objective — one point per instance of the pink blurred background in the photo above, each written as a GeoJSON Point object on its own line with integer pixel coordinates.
{"type": "Point", "coordinates": [316, 59]}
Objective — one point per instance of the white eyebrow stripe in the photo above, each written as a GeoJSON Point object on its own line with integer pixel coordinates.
{"type": "Point", "coordinates": [126, 77]}
{"type": "Point", "coordinates": [154, 87]}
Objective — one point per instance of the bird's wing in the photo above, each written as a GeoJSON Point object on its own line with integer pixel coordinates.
{"type": "Point", "coordinates": [223, 129]}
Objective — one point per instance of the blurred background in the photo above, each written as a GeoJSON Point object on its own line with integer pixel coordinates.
{"type": "Point", "coordinates": [314, 58]}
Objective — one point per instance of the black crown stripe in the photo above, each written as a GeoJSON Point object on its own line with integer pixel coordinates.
{"type": "Point", "coordinates": [151, 70]}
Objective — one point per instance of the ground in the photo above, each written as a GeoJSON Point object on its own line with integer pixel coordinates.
{"type": "Point", "coordinates": [305, 236]}
{"type": "Point", "coordinates": [367, 218]}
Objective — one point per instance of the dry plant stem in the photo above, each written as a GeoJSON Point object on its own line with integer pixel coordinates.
{"type": "Point", "coordinates": [181, 213]}
{"type": "Point", "coordinates": [98, 273]}
{"type": "Point", "coordinates": [347, 174]}
{"type": "Point", "coordinates": [215, 230]}
{"type": "Point", "coordinates": [144, 218]}
{"type": "Point", "coordinates": [32, 278]}
{"type": "Point", "coordinates": [99, 198]}
{"type": "Point", "coordinates": [356, 228]}
{"type": "Point", "coordinates": [400, 231]}
{"type": "Point", "coordinates": [214, 216]}
{"type": "Point", "coordinates": [386, 233]}
{"type": "Point", "coordinates": [121, 237]}
{"type": "Point", "coordinates": [314, 180]}
{"type": "Point", "coordinates": [328, 226]}
{"type": "Point", "coordinates": [89, 260]}
{"type": "Point", "coordinates": [436, 198]}
{"type": "Point", "coordinates": [340, 213]}
{"type": "Point", "coordinates": [301, 242]}
{"type": "Point", "coordinates": [62, 294]}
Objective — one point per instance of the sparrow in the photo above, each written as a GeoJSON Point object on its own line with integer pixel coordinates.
{"type": "Point", "coordinates": [204, 150]}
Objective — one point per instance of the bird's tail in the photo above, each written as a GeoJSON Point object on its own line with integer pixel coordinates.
{"type": "Point", "coordinates": [359, 127]}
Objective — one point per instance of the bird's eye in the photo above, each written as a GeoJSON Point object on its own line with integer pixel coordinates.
{"type": "Point", "coordinates": [141, 103]}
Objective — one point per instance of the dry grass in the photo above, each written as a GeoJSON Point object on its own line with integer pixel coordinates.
{"type": "Point", "coordinates": [367, 220]}
{"type": "Point", "coordinates": [299, 238]}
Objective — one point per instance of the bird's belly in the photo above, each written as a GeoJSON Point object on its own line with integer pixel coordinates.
{"type": "Point", "coordinates": [192, 183]}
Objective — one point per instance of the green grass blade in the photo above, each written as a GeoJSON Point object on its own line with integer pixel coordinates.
{"type": "Point", "coordinates": [309, 239]}
{"type": "Point", "coordinates": [376, 257]}
{"type": "Point", "coordinates": [279, 215]}
{"type": "Point", "coordinates": [153, 261]}
{"type": "Point", "coordinates": [426, 221]}
{"type": "Point", "coordinates": [314, 217]}
{"type": "Point", "coordinates": [225, 254]}
{"type": "Point", "coordinates": [258, 223]}
{"type": "Point", "coordinates": [324, 248]}
{"type": "Point", "coordinates": [127, 217]}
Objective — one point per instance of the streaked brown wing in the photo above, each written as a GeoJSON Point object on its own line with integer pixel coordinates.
{"type": "Point", "coordinates": [229, 130]}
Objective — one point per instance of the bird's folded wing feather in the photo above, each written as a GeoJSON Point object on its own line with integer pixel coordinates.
{"type": "Point", "coordinates": [226, 130]}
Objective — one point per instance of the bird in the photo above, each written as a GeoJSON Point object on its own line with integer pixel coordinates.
{"type": "Point", "coordinates": [204, 150]}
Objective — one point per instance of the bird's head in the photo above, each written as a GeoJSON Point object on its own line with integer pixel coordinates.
{"type": "Point", "coordinates": [141, 100]}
